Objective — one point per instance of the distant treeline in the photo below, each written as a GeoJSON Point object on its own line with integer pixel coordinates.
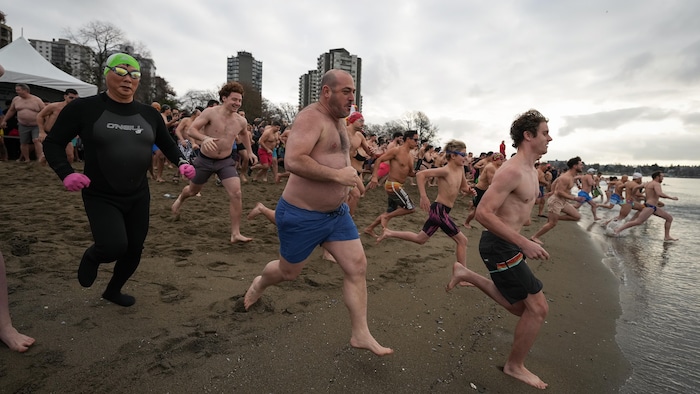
{"type": "Point", "coordinates": [646, 170]}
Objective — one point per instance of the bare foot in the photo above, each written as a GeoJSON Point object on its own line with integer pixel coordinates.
{"type": "Point", "coordinates": [175, 208]}
{"type": "Point", "coordinates": [328, 256]}
{"type": "Point", "coordinates": [14, 340]}
{"type": "Point", "coordinates": [459, 273]}
{"type": "Point", "coordinates": [235, 238]}
{"type": "Point", "coordinates": [526, 376]}
{"type": "Point", "coordinates": [160, 180]}
{"type": "Point", "coordinates": [385, 235]}
{"type": "Point", "coordinates": [536, 240]}
{"type": "Point", "coordinates": [370, 231]}
{"type": "Point", "coordinates": [670, 239]}
{"type": "Point", "coordinates": [253, 294]}
{"type": "Point", "coordinates": [257, 210]}
{"type": "Point", "coordinates": [367, 341]}
{"type": "Point", "coordinates": [467, 225]}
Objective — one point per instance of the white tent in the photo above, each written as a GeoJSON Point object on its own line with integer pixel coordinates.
{"type": "Point", "coordinates": [23, 64]}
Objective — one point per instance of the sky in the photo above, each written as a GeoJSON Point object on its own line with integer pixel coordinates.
{"type": "Point", "coordinates": [619, 81]}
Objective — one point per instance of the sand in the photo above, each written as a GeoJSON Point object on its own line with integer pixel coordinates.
{"type": "Point", "coordinates": [189, 332]}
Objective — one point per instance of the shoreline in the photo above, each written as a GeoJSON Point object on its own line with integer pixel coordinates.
{"type": "Point", "coordinates": [188, 331]}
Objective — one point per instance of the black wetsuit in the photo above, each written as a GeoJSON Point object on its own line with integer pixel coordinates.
{"type": "Point", "coordinates": [117, 140]}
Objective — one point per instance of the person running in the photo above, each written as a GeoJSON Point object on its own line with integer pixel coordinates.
{"type": "Point", "coordinates": [558, 207]}
{"type": "Point", "coordinates": [358, 144]}
{"type": "Point", "coordinates": [47, 117]}
{"type": "Point", "coordinates": [400, 167]}
{"type": "Point", "coordinates": [118, 134]}
{"type": "Point", "coordinates": [493, 163]}
{"type": "Point", "coordinates": [651, 207]}
{"type": "Point", "coordinates": [215, 130]}
{"type": "Point", "coordinates": [504, 210]}
{"type": "Point", "coordinates": [318, 159]}
{"type": "Point", "coordinates": [588, 184]}
{"type": "Point", "coordinates": [451, 181]}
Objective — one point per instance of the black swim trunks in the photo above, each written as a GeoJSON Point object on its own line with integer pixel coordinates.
{"type": "Point", "coordinates": [508, 268]}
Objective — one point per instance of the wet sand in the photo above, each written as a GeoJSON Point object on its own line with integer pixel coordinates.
{"type": "Point", "coordinates": [189, 332]}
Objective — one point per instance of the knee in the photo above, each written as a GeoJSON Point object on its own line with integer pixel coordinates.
{"type": "Point", "coordinates": [111, 250]}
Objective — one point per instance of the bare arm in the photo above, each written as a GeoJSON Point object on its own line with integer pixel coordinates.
{"type": "Point", "coordinates": [41, 118]}
{"type": "Point", "coordinates": [505, 182]}
{"type": "Point", "coordinates": [10, 113]}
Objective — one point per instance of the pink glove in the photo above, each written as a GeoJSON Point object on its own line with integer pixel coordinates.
{"type": "Point", "coordinates": [187, 170]}
{"type": "Point", "coordinates": [75, 182]}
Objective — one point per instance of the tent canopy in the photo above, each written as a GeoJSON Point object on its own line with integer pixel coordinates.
{"type": "Point", "coordinates": [23, 64]}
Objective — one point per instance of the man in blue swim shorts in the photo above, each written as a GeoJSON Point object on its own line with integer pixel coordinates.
{"type": "Point", "coordinates": [318, 158]}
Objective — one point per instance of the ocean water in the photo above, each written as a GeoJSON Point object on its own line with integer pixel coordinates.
{"type": "Point", "coordinates": [658, 330]}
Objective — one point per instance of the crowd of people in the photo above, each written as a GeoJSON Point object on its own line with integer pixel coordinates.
{"type": "Point", "coordinates": [325, 150]}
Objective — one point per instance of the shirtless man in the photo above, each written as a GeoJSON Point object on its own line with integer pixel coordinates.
{"type": "Point", "coordinates": [557, 206]}
{"type": "Point", "coordinates": [651, 207]}
{"type": "Point", "coordinates": [355, 124]}
{"type": "Point", "coordinates": [400, 167]}
{"type": "Point", "coordinates": [47, 117]}
{"type": "Point", "coordinates": [27, 107]}
{"type": "Point", "coordinates": [318, 159]}
{"type": "Point", "coordinates": [632, 197]}
{"type": "Point", "coordinates": [544, 186]}
{"type": "Point", "coordinates": [588, 182]}
{"type": "Point", "coordinates": [495, 162]}
{"type": "Point", "coordinates": [504, 210]}
{"type": "Point", "coordinates": [187, 146]}
{"type": "Point", "coordinates": [215, 130]}
{"type": "Point", "coordinates": [268, 142]}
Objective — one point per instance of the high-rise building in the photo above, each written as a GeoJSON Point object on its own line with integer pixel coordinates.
{"type": "Point", "coordinates": [310, 83]}
{"type": "Point", "coordinates": [76, 60]}
{"type": "Point", "coordinates": [245, 69]}
{"type": "Point", "coordinates": [5, 31]}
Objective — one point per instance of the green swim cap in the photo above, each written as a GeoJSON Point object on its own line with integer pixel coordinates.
{"type": "Point", "coordinates": [121, 58]}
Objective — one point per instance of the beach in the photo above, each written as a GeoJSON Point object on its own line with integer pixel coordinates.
{"type": "Point", "coordinates": [188, 331]}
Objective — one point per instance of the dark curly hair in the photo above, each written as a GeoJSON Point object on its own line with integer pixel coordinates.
{"type": "Point", "coordinates": [230, 87]}
{"type": "Point", "coordinates": [528, 121]}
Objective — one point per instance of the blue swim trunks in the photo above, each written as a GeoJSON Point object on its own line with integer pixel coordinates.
{"type": "Point", "coordinates": [616, 199]}
{"type": "Point", "coordinates": [301, 230]}
{"type": "Point", "coordinates": [585, 195]}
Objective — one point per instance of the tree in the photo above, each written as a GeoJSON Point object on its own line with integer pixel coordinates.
{"type": "Point", "coordinates": [103, 38]}
{"type": "Point", "coordinates": [420, 122]}
{"type": "Point", "coordinates": [288, 112]}
{"type": "Point", "coordinates": [197, 98]}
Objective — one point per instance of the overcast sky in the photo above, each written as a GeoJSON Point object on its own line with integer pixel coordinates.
{"type": "Point", "coordinates": [618, 79]}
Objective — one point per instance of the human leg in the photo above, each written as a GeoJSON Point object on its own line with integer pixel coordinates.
{"type": "Point", "coordinates": [526, 331]}
{"type": "Point", "coordinates": [136, 221]}
{"type": "Point", "coordinates": [276, 271]}
{"type": "Point", "coordinates": [8, 333]}
{"type": "Point", "coordinates": [552, 220]}
{"type": "Point", "coordinates": [660, 212]}
{"type": "Point", "coordinates": [188, 191]}
{"type": "Point", "coordinates": [643, 216]}
{"type": "Point", "coordinates": [233, 189]}
{"type": "Point", "coordinates": [419, 237]}
{"type": "Point", "coordinates": [460, 273]}
{"type": "Point", "coordinates": [261, 209]}
{"type": "Point", "coordinates": [352, 260]}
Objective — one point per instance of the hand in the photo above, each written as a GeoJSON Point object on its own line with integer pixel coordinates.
{"type": "Point", "coordinates": [253, 159]}
{"type": "Point", "coordinates": [535, 251]}
{"type": "Point", "coordinates": [425, 203]}
{"type": "Point", "coordinates": [76, 181]}
{"type": "Point", "coordinates": [209, 145]}
{"type": "Point", "coordinates": [372, 183]}
{"type": "Point", "coordinates": [347, 176]}
{"type": "Point", "coordinates": [42, 136]}
{"type": "Point", "coordinates": [580, 198]}
{"type": "Point", "coordinates": [187, 170]}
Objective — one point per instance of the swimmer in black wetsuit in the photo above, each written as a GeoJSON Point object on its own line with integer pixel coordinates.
{"type": "Point", "coordinates": [118, 134]}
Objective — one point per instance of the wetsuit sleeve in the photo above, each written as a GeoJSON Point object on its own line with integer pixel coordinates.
{"type": "Point", "coordinates": [68, 125]}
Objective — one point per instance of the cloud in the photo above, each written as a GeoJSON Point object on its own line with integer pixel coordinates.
{"type": "Point", "coordinates": [611, 120]}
